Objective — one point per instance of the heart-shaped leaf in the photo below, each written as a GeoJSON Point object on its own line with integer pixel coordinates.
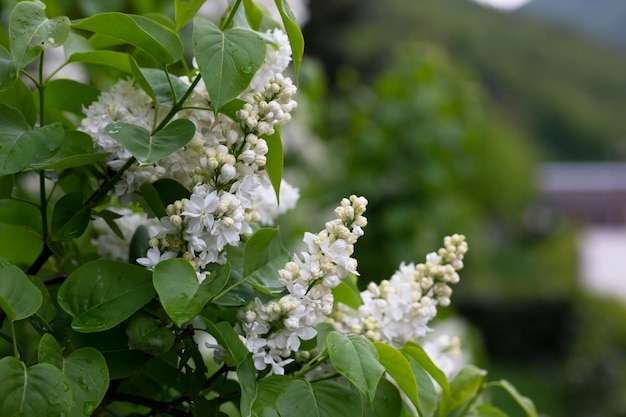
{"type": "Point", "coordinates": [40, 390]}
{"type": "Point", "coordinates": [149, 149]}
{"type": "Point", "coordinates": [320, 399]}
{"type": "Point", "coordinates": [19, 298]}
{"type": "Point", "coordinates": [227, 60]}
{"type": "Point", "coordinates": [156, 40]}
{"type": "Point", "coordinates": [356, 358]}
{"type": "Point", "coordinates": [30, 31]}
{"type": "Point", "coordinates": [103, 293]}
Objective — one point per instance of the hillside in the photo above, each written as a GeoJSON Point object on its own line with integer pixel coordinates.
{"type": "Point", "coordinates": [605, 19]}
{"type": "Point", "coordinates": [554, 85]}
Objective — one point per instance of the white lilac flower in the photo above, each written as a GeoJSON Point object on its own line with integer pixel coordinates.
{"type": "Point", "coordinates": [273, 331]}
{"type": "Point", "coordinates": [398, 310]}
{"type": "Point", "coordinates": [153, 257]}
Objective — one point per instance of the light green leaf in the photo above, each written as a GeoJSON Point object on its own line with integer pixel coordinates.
{"type": "Point", "coordinates": [428, 397]}
{"type": "Point", "coordinates": [348, 293]}
{"type": "Point", "coordinates": [227, 60]}
{"type": "Point", "coordinates": [147, 334]}
{"type": "Point", "coordinates": [416, 352]}
{"type": "Point", "coordinates": [8, 72]}
{"type": "Point", "coordinates": [156, 40]}
{"type": "Point", "coordinates": [294, 33]}
{"type": "Point", "coordinates": [155, 84]}
{"type": "Point", "coordinates": [275, 162]}
{"type": "Point", "coordinates": [258, 16]}
{"type": "Point", "coordinates": [399, 368]}
{"type": "Point", "coordinates": [21, 147]}
{"type": "Point", "coordinates": [68, 96]}
{"type": "Point", "coordinates": [117, 60]}
{"type": "Point", "coordinates": [30, 31]}
{"type": "Point", "coordinates": [264, 254]}
{"type": "Point", "coordinates": [149, 149]}
{"type": "Point", "coordinates": [463, 387]}
{"type": "Point", "coordinates": [486, 410]}
{"type": "Point", "coordinates": [320, 399]}
{"type": "Point", "coordinates": [19, 298]}
{"type": "Point", "coordinates": [88, 375]}
{"type": "Point", "coordinates": [185, 10]}
{"type": "Point", "coordinates": [40, 390]}
{"type": "Point", "coordinates": [49, 351]}
{"type": "Point", "coordinates": [524, 402]}
{"type": "Point", "coordinates": [268, 391]}
{"type": "Point", "coordinates": [103, 293]}
{"type": "Point", "coordinates": [182, 296]}
{"type": "Point", "coordinates": [356, 358]}
{"type": "Point", "coordinates": [70, 217]}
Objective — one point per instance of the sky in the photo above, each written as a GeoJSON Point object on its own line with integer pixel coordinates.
{"type": "Point", "coordinates": [503, 4]}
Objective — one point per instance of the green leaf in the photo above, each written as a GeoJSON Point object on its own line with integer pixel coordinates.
{"type": "Point", "coordinates": [117, 60]}
{"type": "Point", "coordinates": [398, 367]}
{"type": "Point", "coordinates": [69, 96]}
{"type": "Point", "coordinates": [170, 190]}
{"type": "Point", "coordinates": [19, 298]}
{"type": "Point", "coordinates": [268, 391]}
{"type": "Point", "coordinates": [8, 72]}
{"type": "Point", "coordinates": [348, 293]}
{"type": "Point", "coordinates": [387, 403]}
{"type": "Point", "coordinates": [231, 108]}
{"type": "Point", "coordinates": [275, 162]}
{"type": "Point", "coordinates": [293, 33]}
{"type": "Point", "coordinates": [149, 149]}
{"type": "Point", "coordinates": [155, 84]}
{"type": "Point", "coordinates": [40, 390]}
{"type": "Point", "coordinates": [182, 296]}
{"type": "Point", "coordinates": [264, 254]}
{"type": "Point", "coordinates": [139, 244]}
{"type": "Point", "coordinates": [416, 352]}
{"type": "Point", "coordinates": [463, 387]}
{"type": "Point", "coordinates": [30, 31]}
{"type": "Point", "coordinates": [103, 293]}
{"type": "Point", "coordinates": [88, 375]}
{"type": "Point", "coordinates": [6, 186]}
{"type": "Point", "coordinates": [70, 217]}
{"type": "Point", "coordinates": [152, 199]}
{"type": "Point", "coordinates": [320, 399]}
{"type": "Point", "coordinates": [258, 17]}
{"type": "Point", "coordinates": [428, 397]}
{"type": "Point", "coordinates": [21, 147]}
{"type": "Point", "coordinates": [246, 373]}
{"type": "Point", "coordinates": [356, 358]}
{"type": "Point", "coordinates": [156, 40]}
{"type": "Point", "coordinates": [486, 410]}
{"type": "Point", "coordinates": [185, 10]}
{"type": "Point", "coordinates": [147, 334]}
{"type": "Point", "coordinates": [46, 311]}
{"type": "Point", "coordinates": [49, 351]}
{"type": "Point", "coordinates": [227, 60]}
{"type": "Point", "coordinates": [19, 96]}
{"type": "Point", "coordinates": [524, 402]}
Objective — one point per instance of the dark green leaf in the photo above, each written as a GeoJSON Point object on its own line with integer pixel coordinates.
{"type": "Point", "coordinates": [356, 358]}
{"type": "Point", "coordinates": [19, 298]}
{"type": "Point", "coordinates": [152, 199]}
{"type": "Point", "coordinates": [486, 410]}
{"type": "Point", "coordinates": [8, 73]}
{"type": "Point", "coordinates": [6, 186]}
{"type": "Point", "coordinates": [70, 217]}
{"type": "Point", "coordinates": [19, 96]}
{"type": "Point", "coordinates": [46, 311]}
{"type": "Point", "coordinates": [109, 217]}
{"type": "Point", "coordinates": [268, 391]}
{"type": "Point", "coordinates": [231, 108]}
{"type": "Point", "coordinates": [156, 40]}
{"type": "Point", "coordinates": [138, 244]}
{"type": "Point", "coordinates": [49, 351]}
{"type": "Point", "coordinates": [321, 399]}
{"type": "Point", "coordinates": [399, 368]}
{"type": "Point", "coordinates": [40, 390]}
{"type": "Point", "coordinates": [387, 403]}
{"type": "Point", "coordinates": [154, 82]}
{"type": "Point", "coordinates": [293, 33]}
{"type": "Point", "coordinates": [21, 147]}
{"type": "Point", "coordinates": [182, 296]}
{"type": "Point", "coordinates": [275, 162]}
{"type": "Point", "coordinates": [264, 254]}
{"type": "Point", "coordinates": [239, 294]}
{"type": "Point", "coordinates": [427, 395]}
{"type": "Point", "coordinates": [88, 375]}
{"type": "Point", "coordinates": [185, 10]}
{"type": "Point", "coordinates": [69, 95]}
{"type": "Point", "coordinates": [30, 31]}
{"type": "Point", "coordinates": [524, 402]}
{"type": "Point", "coordinates": [103, 293]}
{"type": "Point", "coordinates": [147, 334]}
{"type": "Point", "coordinates": [227, 60]}
{"type": "Point", "coordinates": [149, 149]}
{"type": "Point", "coordinates": [170, 190]}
